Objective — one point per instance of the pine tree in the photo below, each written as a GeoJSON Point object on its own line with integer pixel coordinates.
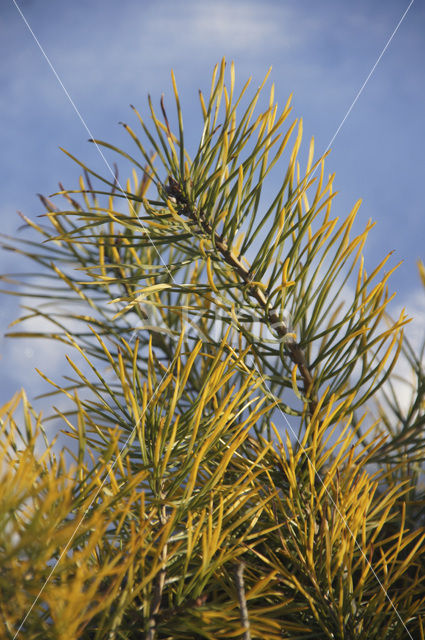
{"type": "Point", "coordinates": [222, 474]}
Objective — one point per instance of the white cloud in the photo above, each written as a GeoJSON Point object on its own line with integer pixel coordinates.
{"type": "Point", "coordinates": [235, 25]}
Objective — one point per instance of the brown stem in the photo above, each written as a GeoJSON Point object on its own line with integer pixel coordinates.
{"type": "Point", "coordinates": [295, 351]}
{"type": "Point", "coordinates": [240, 585]}
{"type": "Point", "coordinates": [159, 581]}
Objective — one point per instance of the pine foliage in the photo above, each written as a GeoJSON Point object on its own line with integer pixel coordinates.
{"type": "Point", "coordinates": [220, 472]}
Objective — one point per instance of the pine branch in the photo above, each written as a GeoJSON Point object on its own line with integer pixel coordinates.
{"type": "Point", "coordinates": [240, 585]}
{"type": "Point", "coordinates": [253, 289]}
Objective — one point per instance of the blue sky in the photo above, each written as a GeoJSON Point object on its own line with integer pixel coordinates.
{"type": "Point", "coordinates": [110, 54]}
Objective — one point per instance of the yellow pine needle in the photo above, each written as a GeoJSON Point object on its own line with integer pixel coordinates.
{"type": "Point", "coordinates": [210, 277]}
{"type": "Point", "coordinates": [197, 421]}
{"type": "Point", "coordinates": [224, 150]}
{"type": "Point", "coordinates": [159, 442]}
{"type": "Point", "coordinates": [323, 233]}
{"type": "Point", "coordinates": [189, 364]}
{"type": "Point", "coordinates": [260, 586]}
{"type": "Point", "coordinates": [170, 445]}
{"type": "Point", "coordinates": [294, 382]}
{"type": "Point", "coordinates": [237, 243]}
{"type": "Point", "coordinates": [10, 407]}
{"type": "Point", "coordinates": [215, 528]}
{"type": "Point", "coordinates": [104, 347]}
{"type": "Point", "coordinates": [214, 75]}
{"type": "Point", "coordinates": [404, 565]}
{"type": "Point", "coordinates": [195, 535]}
{"type": "Point", "coordinates": [122, 374]}
{"type": "Point", "coordinates": [203, 107]}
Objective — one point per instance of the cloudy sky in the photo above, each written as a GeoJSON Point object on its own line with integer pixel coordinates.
{"type": "Point", "coordinates": [109, 54]}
